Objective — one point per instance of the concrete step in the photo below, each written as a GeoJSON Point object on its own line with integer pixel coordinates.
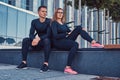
{"type": "Point", "coordinates": [102, 62]}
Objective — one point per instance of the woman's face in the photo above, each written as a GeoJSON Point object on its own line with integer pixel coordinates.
{"type": "Point", "coordinates": [59, 14]}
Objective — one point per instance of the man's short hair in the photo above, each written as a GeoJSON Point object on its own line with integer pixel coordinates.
{"type": "Point", "coordinates": [41, 7]}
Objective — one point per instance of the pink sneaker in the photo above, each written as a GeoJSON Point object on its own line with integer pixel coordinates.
{"type": "Point", "coordinates": [70, 71]}
{"type": "Point", "coordinates": [97, 45]}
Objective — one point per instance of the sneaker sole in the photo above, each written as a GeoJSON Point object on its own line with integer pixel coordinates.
{"type": "Point", "coordinates": [44, 71]}
{"type": "Point", "coordinates": [96, 47]}
{"type": "Point", "coordinates": [70, 73]}
{"type": "Point", "coordinates": [22, 68]}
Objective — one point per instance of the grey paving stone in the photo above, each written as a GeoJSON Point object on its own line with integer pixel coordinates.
{"type": "Point", "coordinates": [8, 72]}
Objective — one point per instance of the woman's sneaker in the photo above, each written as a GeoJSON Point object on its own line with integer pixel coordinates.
{"type": "Point", "coordinates": [44, 68]}
{"type": "Point", "coordinates": [97, 45]}
{"type": "Point", "coordinates": [22, 66]}
{"type": "Point", "coordinates": [70, 71]}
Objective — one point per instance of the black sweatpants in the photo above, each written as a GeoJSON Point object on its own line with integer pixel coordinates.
{"type": "Point", "coordinates": [45, 44]}
{"type": "Point", "coordinates": [69, 43]}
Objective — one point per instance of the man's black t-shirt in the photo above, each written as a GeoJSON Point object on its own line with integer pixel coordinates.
{"type": "Point", "coordinates": [40, 28]}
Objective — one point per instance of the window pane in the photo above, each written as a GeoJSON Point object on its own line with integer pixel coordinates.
{"type": "Point", "coordinates": [3, 20]}
{"type": "Point", "coordinates": [12, 22]}
{"type": "Point", "coordinates": [21, 24]}
{"type": "Point", "coordinates": [28, 23]}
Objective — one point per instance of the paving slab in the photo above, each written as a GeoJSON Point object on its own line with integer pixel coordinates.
{"type": "Point", "coordinates": [9, 72]}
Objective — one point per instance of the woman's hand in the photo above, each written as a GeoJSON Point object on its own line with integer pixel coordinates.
{"type": "Point", "coordinates": [68, 34]}
{"type": "Point", "coordinates": [84, 29]}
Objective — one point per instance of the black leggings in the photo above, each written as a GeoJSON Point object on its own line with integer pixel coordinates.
{"type": "Point", "coordinates": [26, 44]}
{"type": "Point", "coordinates": [78, 31]}
{"type": "Point", "coordinates": [69, 43]}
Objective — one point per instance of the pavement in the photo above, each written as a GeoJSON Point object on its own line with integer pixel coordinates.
{"type": "Point", "coordinates": [9, 72]}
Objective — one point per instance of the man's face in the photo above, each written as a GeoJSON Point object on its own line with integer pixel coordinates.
{"type": "Point", "coordinates": [42, 12]}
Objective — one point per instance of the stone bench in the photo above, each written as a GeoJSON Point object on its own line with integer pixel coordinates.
{"type": "Point", "coordinates": [95, 61]}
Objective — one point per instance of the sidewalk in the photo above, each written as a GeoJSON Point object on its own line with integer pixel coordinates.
{"type": "Point", "coordinates": [8, 72]}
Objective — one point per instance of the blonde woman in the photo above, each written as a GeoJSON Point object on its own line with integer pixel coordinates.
{"type": "Point", "coordinates": [64, 38]}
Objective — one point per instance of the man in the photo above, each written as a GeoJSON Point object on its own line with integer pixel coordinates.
{"type": "Point", "coordinates": [42, 28]}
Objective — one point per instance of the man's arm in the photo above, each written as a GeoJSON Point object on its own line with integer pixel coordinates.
{"type": "Point", "coordinates": [32, 30]}
{"type": "Point", "coordinates": [34, 39]}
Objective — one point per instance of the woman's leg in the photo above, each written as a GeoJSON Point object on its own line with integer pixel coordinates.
{"type": "Point", "coordinates": [78, 31]}
{"type": "Point", "coordinates": [67, 44]}
{"type": "Point", "coordinates": [72, 53]}
{"type": "Point", "coordinates": [71, 45]}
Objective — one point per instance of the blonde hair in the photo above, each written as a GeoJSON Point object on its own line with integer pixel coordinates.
{"type": "Point", "coordinates": [55, 15]}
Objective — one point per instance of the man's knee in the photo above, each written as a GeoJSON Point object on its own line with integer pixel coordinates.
{"type": "Point", "coordinates": [26, 40]}
{"type": "Point", "coordinates": [47, 41]}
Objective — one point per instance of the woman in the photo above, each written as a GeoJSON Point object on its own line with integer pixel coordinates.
{"type": "Point", "coordinates": [64, 39]}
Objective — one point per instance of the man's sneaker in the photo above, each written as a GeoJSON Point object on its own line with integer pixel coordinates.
{"type": "Point", "coordinates": [70, 71]}
{"type": "Point", "coordinates": [22, 66]}
{"type": "Point", "coordinates": [44, 68]}
{"type": "Point", "coordinates": [97, 45]}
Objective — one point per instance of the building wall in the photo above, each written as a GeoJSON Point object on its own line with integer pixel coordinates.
{"type": "Point", "coordinates": [15, 21]}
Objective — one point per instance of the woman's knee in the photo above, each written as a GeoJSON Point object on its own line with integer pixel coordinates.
{"type": "Point", "coordinates": [76, 45]}
{"type": "Point", "coordinates": [79, 27]}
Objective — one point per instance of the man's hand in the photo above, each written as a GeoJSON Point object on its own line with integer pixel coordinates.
{"type": "Point", "coordinates": [35, 41]}
{"type": "Point", "coordinates": [69, 33]}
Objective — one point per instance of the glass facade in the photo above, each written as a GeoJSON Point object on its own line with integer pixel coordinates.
{"type": "Point", "coordinates": [16, 16]}
{"type": "Point", "coordinates": [14, 24]}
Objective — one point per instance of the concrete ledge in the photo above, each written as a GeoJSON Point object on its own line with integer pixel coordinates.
{"type": "Point", "coordinates": [112, 46]}
{"type": "Point", "coordinates": [92, 61]}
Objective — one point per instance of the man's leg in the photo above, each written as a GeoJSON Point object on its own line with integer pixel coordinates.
{"type": "Point", "coordinates": [25, 48]}
{"type": "Point", "coordinates": [47, 48]}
